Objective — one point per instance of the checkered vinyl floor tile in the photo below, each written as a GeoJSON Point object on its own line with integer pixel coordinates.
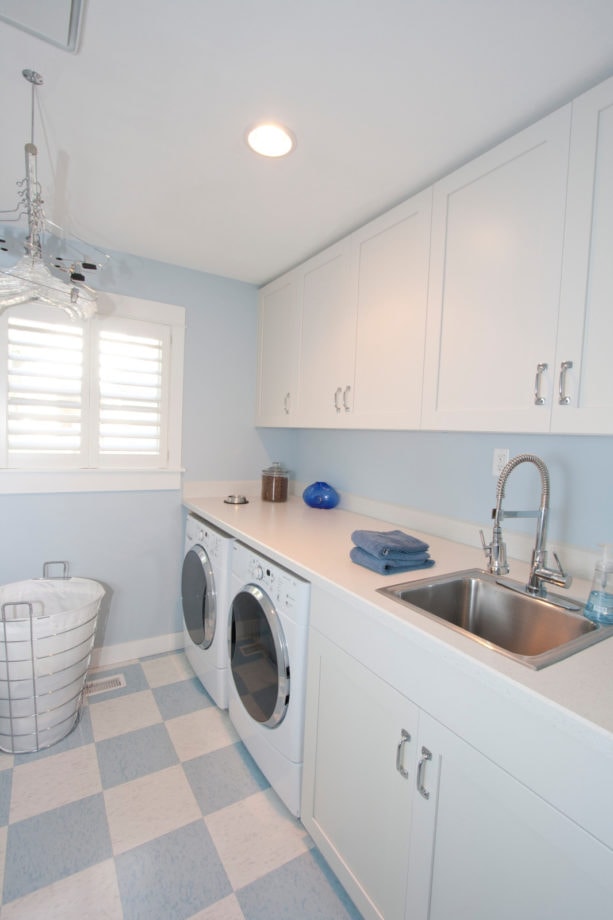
{"type": "Point", "coordinates": [152, 809]}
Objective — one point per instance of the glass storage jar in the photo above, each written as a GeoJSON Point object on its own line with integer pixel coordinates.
{"type": "Point", "coordinates": [274, 483]}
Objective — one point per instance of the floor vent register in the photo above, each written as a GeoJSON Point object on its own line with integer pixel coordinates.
{"type": "Point", "coordinates": [104, 684]}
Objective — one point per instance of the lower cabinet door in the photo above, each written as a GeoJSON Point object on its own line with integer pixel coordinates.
{"type": "Point", "coordinates": [497, 851]}
{"type": "Point", "coordinates": [359, 778]}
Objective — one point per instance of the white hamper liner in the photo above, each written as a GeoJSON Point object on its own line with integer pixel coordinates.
{"type": "Point", "coordinates": [47, 632]}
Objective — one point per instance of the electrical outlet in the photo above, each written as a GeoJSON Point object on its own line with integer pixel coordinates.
{"type": "Point", "coordinates": [501, 458]}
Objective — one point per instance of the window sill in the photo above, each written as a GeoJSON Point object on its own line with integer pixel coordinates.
{"type": "Point", "coordinates": [35, 481]}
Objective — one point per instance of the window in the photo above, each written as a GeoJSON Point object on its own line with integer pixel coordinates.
{"type": "Point", "coordinates": [101, 395]}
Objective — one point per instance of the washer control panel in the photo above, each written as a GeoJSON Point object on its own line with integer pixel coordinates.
{"type": "Point", "coordinates": [286, 590]}
{"type": "Point", "coordinates": [205, 535]}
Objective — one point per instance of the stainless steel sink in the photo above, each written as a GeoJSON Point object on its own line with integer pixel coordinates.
{"type": "Point", "coordinates": [498, 613]}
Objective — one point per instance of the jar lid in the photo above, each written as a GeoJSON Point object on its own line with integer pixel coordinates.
{"type": "Point", "coordinates": [275, 469]}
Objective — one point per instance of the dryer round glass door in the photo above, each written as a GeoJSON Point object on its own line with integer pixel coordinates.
{"type": "Point", "coordinates": [259, 662]}
{"type": "Point", "coordinates": [198, 597]}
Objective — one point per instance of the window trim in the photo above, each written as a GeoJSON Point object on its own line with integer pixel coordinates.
{"type": "Point", "coordinates": [30, 479]}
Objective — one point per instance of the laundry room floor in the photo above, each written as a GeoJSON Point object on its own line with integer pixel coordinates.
{"type": "Point", "coordinates": [152, 808]}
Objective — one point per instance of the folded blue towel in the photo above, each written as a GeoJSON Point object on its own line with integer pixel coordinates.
{"type": "Point", "coordinates": [391, 544]}
{"type": "Point", "coordinates": [389, 567]}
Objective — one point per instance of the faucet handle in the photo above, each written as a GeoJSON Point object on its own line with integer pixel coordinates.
{"type": "Point", "coordinates": [557, 577]}
{"type": "Point", "coordinates": [495, 553]}
{"type": "Point", "coordinates": [566, 578]}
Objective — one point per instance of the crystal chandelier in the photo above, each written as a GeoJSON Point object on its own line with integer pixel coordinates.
{"type": "Point", "coordinates": [31, 278]}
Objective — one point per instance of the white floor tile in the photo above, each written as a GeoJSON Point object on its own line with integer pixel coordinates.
{"type": "Point", "coordinates": [89, 895]}
{"type": "Point", "coordinates": [201, 732]}
{"type": "Point", "coordinates": [167, 670]}
{"type": "Point", "coordinates": [255, 836]}
{"type": "Point", "coordinates": [53, 781]}
{"type": "Point", "coordinates": [226, 909]}
{"type": "Point", "coordinates": [148, 807]}
{"type": "Point", "coordinates": [124, 714]}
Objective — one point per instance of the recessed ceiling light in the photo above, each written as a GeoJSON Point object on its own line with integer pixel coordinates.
{"type": "Point", "coordinates": [270, 140]}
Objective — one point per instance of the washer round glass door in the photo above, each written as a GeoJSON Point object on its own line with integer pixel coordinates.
{"type": "Point", "coordinates": [198, 597]}
{"type": "Point", "coordinates": [259, 661]}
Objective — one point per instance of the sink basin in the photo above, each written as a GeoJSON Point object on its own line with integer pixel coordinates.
{"type": "Point", "coordinates": [532, 630]}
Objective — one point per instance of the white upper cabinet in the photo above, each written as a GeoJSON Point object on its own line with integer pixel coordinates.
{"type": "Point", "coordinates": [391, 257]}
{"type": "Point", "coordinates": [278, 352]}
{"type": "Point", "coordinates": [364, 308]}
{"type": "Point", "coordinates": [496, 262]}
{"type": "Point", "coordinates": [583, 400]}
{"type": "Point", "coordinates": [481, 304]}
{"type": "Point", "coordinates": [341, 338]}
{"type": "Point", "coordinates": [328, 339]}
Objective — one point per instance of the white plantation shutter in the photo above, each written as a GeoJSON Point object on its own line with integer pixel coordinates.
{"type": "Point", "coordinates": [131, 394]}
{"type": "Point", "coordinates": [100, 398]}
{"type": "Point", "coordinates": [44, 392]}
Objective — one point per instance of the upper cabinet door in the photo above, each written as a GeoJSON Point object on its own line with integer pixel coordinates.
{"type": "Point", "coordinates": [583, 401]}
{"type": "Point", "coordinates": [328, 339]}
{"type": "Point", "coordinates": [497, 238]}
{"type": "Point", "coordinates": [278, 352]}
{"type": "Point", "coordinates": [390, 268]}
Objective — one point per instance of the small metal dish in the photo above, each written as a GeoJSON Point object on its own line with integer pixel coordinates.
{"type": "Point", "coordinates": [236, 500]}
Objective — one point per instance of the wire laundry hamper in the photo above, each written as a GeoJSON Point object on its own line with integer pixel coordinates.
{"type": "Point", "coordinates": [47, 631]}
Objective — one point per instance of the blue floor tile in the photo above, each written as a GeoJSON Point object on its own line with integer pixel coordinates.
{"type": "Point", "coordinates": [181, 698]}
{"type": "Point", "coordinates": [174, 876]}
{"type": "Point", "coordinates": [224, 777]}
{"type": "Point", "coordinates": [304, 888]}
{"type": "Point", "coordinates": [6, 785]}
{"type": "Point", "coordinates": [134, 754]}
{"type": "Point", "coordinates": [49, 847]}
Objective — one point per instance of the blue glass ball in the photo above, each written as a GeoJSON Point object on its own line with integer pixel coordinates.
{"type": "Point", "coordinates": [321, 495]}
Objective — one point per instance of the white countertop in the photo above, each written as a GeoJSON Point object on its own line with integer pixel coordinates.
{"type": "Point", "coordinates": [315, 544]}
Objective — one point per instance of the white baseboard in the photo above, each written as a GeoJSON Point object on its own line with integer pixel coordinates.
{"type": "Point", "coordinates": [108, 655]}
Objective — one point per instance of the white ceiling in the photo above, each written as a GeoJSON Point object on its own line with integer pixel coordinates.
{"type": "Point", "coordinates": [141, 132]}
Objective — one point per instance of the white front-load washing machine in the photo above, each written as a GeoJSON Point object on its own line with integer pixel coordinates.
{"type": "Point", "coordinates": [205, 596]}
{"type": "Point", "coordinates": [267, 643]}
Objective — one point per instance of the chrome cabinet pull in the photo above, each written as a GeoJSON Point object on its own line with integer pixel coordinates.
{"type": "Point", "coordinates": [337, 398]}
{"type": "Point", "coordinates": [346, 404]}
{"type": "Point", "coordinates": [404, 740]}
{"type": "Point", "coordinates": [286, 404]}
{"type": "Point", "coordinates": [426, 755]}
{"type": "Point", "coordinates": [540, 370]}
{"type": "Point", "coordinates": [564, 399]}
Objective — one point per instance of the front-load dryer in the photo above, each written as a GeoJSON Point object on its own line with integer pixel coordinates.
{"type": "Point", "coordinates": [205, 596]}
{"type": "Point", "coordinates": [267, 644]}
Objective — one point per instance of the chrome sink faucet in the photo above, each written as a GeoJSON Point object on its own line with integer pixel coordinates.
{"type": "Point", "coordinates": [496, 551]}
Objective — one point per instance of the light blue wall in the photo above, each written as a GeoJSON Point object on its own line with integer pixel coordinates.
{"type": "Point", "coordinates": [451, 474]}
{"type": "Point", "coordinates": [129, 541]}
{"type": "Point", "coordinates": [132, 542]}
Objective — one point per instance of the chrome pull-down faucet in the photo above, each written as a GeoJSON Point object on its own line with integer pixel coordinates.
{"type": "Point", "coordinates": [496, 551]}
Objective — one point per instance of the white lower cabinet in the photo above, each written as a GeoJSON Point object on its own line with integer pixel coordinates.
{"type": "Point", "coordinates": [417, 823]}
{"type": "Point", "coordinates": [486, 847]}
{"type": "Point", "coordinates": [358, 804]}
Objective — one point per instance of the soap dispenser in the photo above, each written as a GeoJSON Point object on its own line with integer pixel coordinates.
{"type": "Point", "coordinates": [599, 607]}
